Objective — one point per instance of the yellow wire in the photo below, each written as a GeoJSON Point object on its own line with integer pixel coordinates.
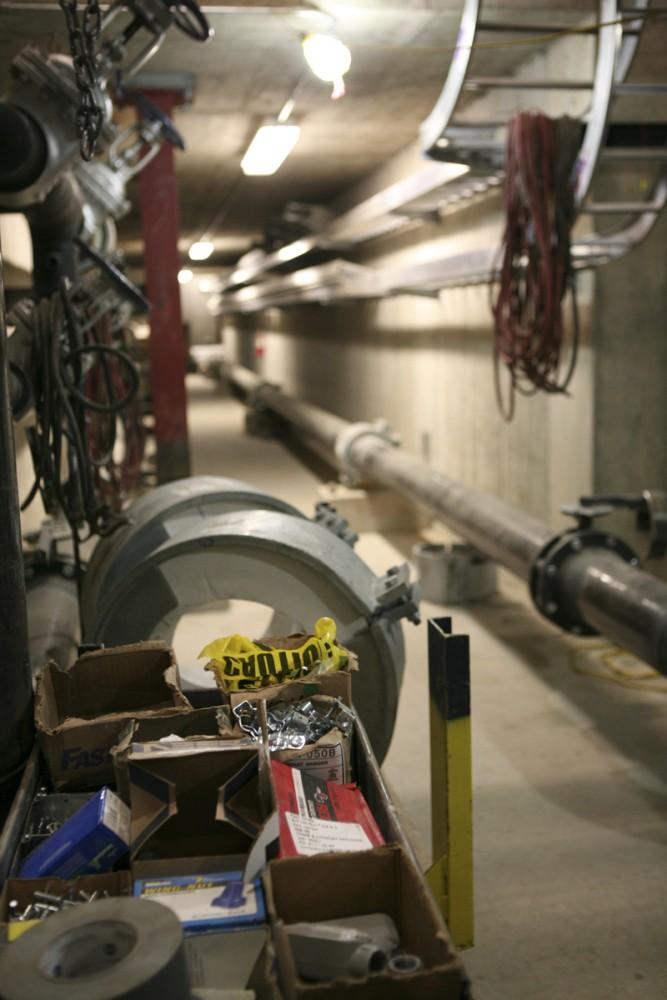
{"type": "Point", "coordinates": [531, 40]}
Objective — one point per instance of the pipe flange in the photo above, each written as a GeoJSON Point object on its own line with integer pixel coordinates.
{"type": "Point", "coordinates": [37, 563]}
{"type": "Point", "coordinates": [348, 437]}
{"type": "Point", "coordinates": [545, 574]}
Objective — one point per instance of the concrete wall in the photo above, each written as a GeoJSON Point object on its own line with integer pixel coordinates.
{"type": "Point", "coordinates": [426, 364]}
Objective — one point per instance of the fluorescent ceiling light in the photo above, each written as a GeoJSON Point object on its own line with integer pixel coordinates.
{"type": "Point", "coordinates": [185, 276]}
{"type": "Point", "coordinates": [450, 171]}
{"type": "Point", "coordinates": [329, 59]}
{"type": "Point", "coordinates": [269, 148]}
{"type": "Point", "coordinates": [293, 250]}
{"type": "Point", "coordinates": [201, 250]}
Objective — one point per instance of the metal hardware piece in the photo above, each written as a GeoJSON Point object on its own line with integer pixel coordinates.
{"type": "Point", "coordinates": [327, 515]}
{"type": "Point", "coordinates": [350, 435]}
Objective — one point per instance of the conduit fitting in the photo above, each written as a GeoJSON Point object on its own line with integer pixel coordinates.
{"type": "Point", "coordinates": [554, 600]}
{"type": "Point", "coordinates": [349, 436]}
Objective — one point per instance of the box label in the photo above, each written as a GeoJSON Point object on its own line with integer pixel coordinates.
{"type": "Point", "coordinates": [325, 762]}
{"type": "Point", "coordinates": [315, 836]}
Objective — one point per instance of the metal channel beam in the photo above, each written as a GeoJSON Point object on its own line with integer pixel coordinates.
{"type": "Point", "coordinates": [597, 587]}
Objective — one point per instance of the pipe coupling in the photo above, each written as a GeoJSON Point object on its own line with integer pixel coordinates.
{"type": "Point", "coordinates": [348, 437]}
{"type": "Point", "coordinates": [546, 587]}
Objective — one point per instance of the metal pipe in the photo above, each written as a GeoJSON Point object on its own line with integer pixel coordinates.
{"type": "Point", "coordinates": [16, 732]}
{"type": "Point", "coordinates": [596, 586]}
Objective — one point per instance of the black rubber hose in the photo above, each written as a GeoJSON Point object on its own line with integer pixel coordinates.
{"type": "Point", "coordinates": [54, 225]}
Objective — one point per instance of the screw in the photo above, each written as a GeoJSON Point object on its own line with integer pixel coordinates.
{"type": "Point", "coordinates": [611, 541]}
{"type": "Point", "coordinates": [47, 897]}
{"type": "Point", "coordinates": [576, 545]}
{"type": "Point", "coordinates": [551, 570]}
{"type": "Point", "coordinates": [552, 608]}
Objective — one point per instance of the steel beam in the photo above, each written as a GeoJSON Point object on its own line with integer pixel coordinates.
{"type": "Point", "coordinates": [167, 346]}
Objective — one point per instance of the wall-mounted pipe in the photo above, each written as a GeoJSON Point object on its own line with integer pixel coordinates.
{"type": "Point", "coordinates": [16, 734]}
{"type": "Point", "coordinates": [590, 578]}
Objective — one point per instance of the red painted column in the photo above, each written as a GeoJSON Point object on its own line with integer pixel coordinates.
{"type": "Point", "coordinates": [167, 346]}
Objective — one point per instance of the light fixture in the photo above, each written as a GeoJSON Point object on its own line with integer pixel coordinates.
{"type": "Point", "coordinates": [269, 148]}
{"type": "Point", "coordinates": [201, 250]}
{"type": "Point", "coordinates": [185, 276]}
{"type": "Point", "coordinates": [329, 60]}
{"type": "Point", "coordinates": [451, 170]}
{"type": "Point", "coordinates": [293, 250]}
{"type": "Point", "coordinates": [205, 285]}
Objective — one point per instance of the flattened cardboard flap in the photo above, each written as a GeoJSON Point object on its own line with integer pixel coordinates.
{"type": "Point", "coordinates": [182, 792]}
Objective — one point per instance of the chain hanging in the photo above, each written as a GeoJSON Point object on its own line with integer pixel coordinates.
{"type": "Point", "coordinates": [83, 32]}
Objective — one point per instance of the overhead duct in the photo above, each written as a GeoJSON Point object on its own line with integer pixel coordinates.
{"type": "Point", "coordinates": [584, 580]}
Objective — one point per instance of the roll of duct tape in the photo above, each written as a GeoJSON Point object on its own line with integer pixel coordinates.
{"type": "Point", "coordinates": [113, 949]}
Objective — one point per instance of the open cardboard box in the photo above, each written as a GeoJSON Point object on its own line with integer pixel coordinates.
{"type": "Point", "coordinates": [384, 880]}
{"type": "Point", "coordinates": [201, 806]}
{"type": "Point", "coordinates": [337, 684]}
{"type": "Point", "coordinates": [80, 712]}
{"type": "Point", "coordinates": [22, 889]}
{"type": "Point", "coordinates": [201, 723]}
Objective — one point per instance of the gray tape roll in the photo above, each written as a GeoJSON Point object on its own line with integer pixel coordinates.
{"type": "Point", "coordinates": [112, 949]}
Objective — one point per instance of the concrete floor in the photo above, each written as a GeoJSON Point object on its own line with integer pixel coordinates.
{"type": "Point", "coordinates": [570, 769]}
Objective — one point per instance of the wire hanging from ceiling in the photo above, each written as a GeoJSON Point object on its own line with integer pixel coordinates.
{"type": "Point", "coordinates": [535, 267]}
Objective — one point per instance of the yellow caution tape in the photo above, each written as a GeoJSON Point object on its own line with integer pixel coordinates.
{"type": "Point", "coordinates": [240, 664]}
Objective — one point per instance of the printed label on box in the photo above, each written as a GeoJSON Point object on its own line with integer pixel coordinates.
{"type": "Point", "coordinates": [315, 836]}
{"type": "Point", "coordinates": [325, 762]}
{"type": "Point", "coordinates": [207, 902]}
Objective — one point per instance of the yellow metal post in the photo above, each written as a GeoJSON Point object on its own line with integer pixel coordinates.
{"type": "Point", "coordinates": [451, 874]}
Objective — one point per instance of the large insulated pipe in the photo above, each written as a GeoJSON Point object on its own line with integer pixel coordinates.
{"type": "Point", "coordinates": [16, 733]}
{"type": "Point", "coordinates": [584, 580]}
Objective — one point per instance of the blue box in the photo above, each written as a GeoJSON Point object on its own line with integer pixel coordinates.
{"type": "Point", "coordinates": [90, 842]}
{"type": "Point", "coordinates": [216, 902]}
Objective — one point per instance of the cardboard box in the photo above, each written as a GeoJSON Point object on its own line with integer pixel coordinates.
{"type": "Point", "coordinates": [335, 685]}
{"type": "Point", "coordinates": [236, 960]}
{"type": "Point", "coordinates": [200, 724]}
{"type": "Point", "coordinates": [200, 807]}
{"type": "Point", "coordinates": [80, 712]}
{"type": "Point", "coordinates": [318, 816]}
{"type": "Point", "coordinates": [220, 901]}
{"type": "Point", "coordinates": [22, 890]}
{"type": "Point", "coordinates": [384, 880]}
{"type": "Point", "coordinates": [90, 841]}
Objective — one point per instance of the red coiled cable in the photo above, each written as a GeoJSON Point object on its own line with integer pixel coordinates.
{"type": "Point", "coordinates": [535, 270]}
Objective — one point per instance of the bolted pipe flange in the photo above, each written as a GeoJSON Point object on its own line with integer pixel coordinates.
{"type": "Point", "coordinates": [348, 438]}
{"type": "Point", "coordinates": [545, 575]}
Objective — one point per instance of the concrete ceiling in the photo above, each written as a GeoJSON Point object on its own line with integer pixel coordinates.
{"type": "Point", "coordinates": [401, 51]}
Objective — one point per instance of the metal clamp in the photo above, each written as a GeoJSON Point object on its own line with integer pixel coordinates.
{"type": "Point", "coordinates": [396, 597]}
{"type": "Point", "coordinates": [349, 437]}
{"type": "Point", "coordinates": [650, 509]}
{"type": "Point", "coordinates": [327, 515]}
{"type": "Point", "coordinates": [545, 573]}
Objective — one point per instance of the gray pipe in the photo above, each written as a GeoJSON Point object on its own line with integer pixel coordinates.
{"type": "Point", "coordinates": [16, 732]}
{"type": "Point", "coordinates": [596, 587]}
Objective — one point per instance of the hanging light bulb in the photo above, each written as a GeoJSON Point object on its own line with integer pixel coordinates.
{"type": "Point", "coordinates": [329, 60]}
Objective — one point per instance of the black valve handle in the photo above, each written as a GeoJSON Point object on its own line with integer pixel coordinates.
{"type": "Point", "coordinates": [189, 19]}
{"type": "Point", "coordinates": [152, 113]}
